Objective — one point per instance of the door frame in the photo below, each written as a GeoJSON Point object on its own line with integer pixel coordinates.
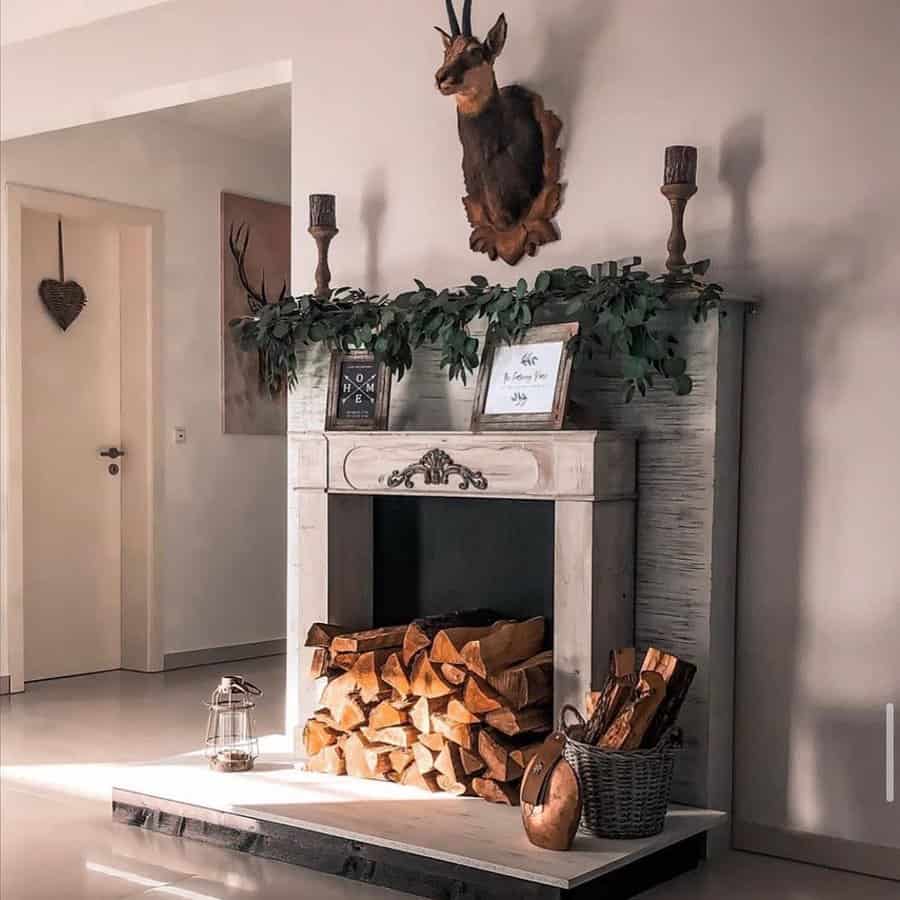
{"type": "Point", "coordinates": [141, 617]}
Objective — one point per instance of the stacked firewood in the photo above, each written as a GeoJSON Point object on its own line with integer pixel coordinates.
{"type": "Point", "coordinates": [636, 706]}
{"type": "Point", "coordinates": [457, 703]}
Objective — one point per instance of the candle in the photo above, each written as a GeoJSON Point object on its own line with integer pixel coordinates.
{"type": "Point", "coordinates": [321, 211]}
{"type": "Point", "coordinates": [681, 165]}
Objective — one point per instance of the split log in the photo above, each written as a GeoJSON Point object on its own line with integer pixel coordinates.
{"type": "Point", "coordinates": [433, 741]}
{"type": "Point", "coordinates": [472, 763]}
{"type": "Point", "coordinates": [364, 759]}
{"type": "Point", "coordinates": [317, 736]}
{"type": "Point", "coordinates": [618, 689]}
{"type": "Point", "coordinates": [512, 722]}
{"type": "Point", "coordinates": [504, 646]}
{"type": "Point", "coordinates": [412, 777]}
{"type": "Point", "coordinates": [325, 717]}
{"type": "Point", "coordinates": [448, 762]}
{"type": "Point", "coordinates": [425, 680]}
{"type": "Point", "coordinates": [479, 697]}
{"type": "Point", "coordinates": [425, 757]}
{"type": "Point", "coordinates": [448, 643]}
{"type": "Point", "coordinates": [320, 663]}
{"type": "Point", "coordinates": [496, 791]}
{"type": "Point", "coordinates": [528, 682]}
{"type": "Point", "coordinates": [464, 735]}
{"type": "Point", "coordinates": [351, 714]}
{"type": "Point", "coordinates": [373, 639]}
{"type": "Point", "coordinates": [387, 715]}
{"type": "Point", "coordinates": [394, 674]}
{"type": "Point", "coordinates": [678, 676]}
{"type": "Point", "coordinates": [401, 760]}
{"type": "Point", "coordinates": [630, 726]}
{"type": "Point", "coordinates": [421, 632]}
{"type": "Point", "coordinates": [455, 675]}
{"type": "Point", "coordinates": [457, 712]}
{"type": "Point", "coordinates": [337, 691]}
{"type": "Point", "coordinates": [321, 635]}
{"type": "Point", "coordinates": [423, 710]}
{"type": "Point", "coordinates": [328, 761]}
{"type": "Point", "coordinates": [523, 755]}
{"type": "Point", "coordinates": [368, 675]}
{"type": "Point", "coordinates": [344, 661]}
{"type": "Point", "coordinates": [403, 736]}
{"type": "Point", "coordinates": [460, 788]}
{"type": "Point", "coordinates": [498, 753]}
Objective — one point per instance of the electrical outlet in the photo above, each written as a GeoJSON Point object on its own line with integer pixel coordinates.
{"type": "Point", "coordinates": [180, 434]}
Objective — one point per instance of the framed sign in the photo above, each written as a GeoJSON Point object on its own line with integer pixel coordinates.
{"type": "Point", "coordinates": [359, 393]}
{"type": "Point", "coordinates": [525, 385]}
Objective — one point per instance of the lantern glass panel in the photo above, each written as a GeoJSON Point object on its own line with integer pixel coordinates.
{"type": "Point", "coordinates": [231, 745]}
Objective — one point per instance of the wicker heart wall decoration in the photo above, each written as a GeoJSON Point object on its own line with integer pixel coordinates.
{"type": "Point", "coordinates": [64, 299]}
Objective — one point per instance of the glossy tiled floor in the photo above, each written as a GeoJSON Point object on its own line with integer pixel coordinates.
{"type": "Point", "coordinates": [62, 742]}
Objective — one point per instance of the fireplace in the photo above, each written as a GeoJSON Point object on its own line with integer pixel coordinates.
{"type": "Point", "coordinates": [435, 554]}
{"type": "Point", "coordinates": [360, 496]}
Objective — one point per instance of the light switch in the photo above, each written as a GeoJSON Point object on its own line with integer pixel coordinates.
{"type": "Point", "coordinates": [180, 434]}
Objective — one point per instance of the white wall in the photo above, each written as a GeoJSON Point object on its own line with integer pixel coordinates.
{"type": "Point", "coordinates": [223, 510]}
{"type": "Point", "coordinates": [793, 106]}
{"type": "Point", "coordinates": [21, 20]}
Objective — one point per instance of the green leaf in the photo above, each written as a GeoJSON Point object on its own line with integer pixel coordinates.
{"type": "Point", "coordinates": [634, 367]}
{"type": "Point", "coordinates": [542, 284]}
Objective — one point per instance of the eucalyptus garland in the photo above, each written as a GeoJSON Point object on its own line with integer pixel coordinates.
{"type": "Point", "coordinates": [618, 314]}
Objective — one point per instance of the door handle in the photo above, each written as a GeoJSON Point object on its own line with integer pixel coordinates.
{"type": "Point", "coordinates": [112, 453]}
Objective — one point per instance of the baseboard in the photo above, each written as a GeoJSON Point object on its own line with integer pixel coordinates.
{"type": "Point", "coordinates": [4, 684]}
{"type": "Point", "coordinates": [820, 850]}
{"type": "Point", "coordinates": [186, 659]}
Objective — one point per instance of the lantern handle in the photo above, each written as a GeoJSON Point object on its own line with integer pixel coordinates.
{"type": "Point", "coordinates": [248, 686]}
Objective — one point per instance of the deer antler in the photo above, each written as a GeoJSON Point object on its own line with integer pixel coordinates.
{"type": "Point", "coordinates": [237, 244]}
{"type": "Point", "coordinates": [467, 19]}
{"type": "Point", "coordinates": [454, 22]}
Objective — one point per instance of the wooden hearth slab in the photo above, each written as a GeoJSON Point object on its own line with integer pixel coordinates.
{"type": "Point", "coordinates": [390, 835]}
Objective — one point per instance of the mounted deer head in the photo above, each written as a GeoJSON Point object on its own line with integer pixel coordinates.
{"type": "Point", "coordinates": [511, 163]}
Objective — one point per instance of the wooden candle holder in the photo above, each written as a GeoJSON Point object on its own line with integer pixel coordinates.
{"type": "Point", "coordinates": [323, 228]}
{"type": "Point", "coordinates": [680, 185]}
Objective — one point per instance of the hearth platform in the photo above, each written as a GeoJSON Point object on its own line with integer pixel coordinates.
{"type": "Point", "coordinates": [430, 845]}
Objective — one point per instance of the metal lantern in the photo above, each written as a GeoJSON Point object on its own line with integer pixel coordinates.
{"type": "Point", "coordinates": [231, 745]}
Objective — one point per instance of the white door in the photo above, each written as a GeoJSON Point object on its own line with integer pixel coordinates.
{"type": "Point", "coordinates": [71, 410]}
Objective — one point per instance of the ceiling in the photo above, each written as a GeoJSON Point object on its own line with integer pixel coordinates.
{"type": "Point", "coordinates": [21, 20]}
{"type": "Point", "coordinates": [262, 116]}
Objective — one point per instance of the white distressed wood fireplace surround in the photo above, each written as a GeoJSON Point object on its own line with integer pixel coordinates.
{"type": "Point", "coordinates": [589, 476]}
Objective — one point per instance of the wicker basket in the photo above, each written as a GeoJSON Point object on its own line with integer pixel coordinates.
{"type": "Point", "coordinates": [625, 793]}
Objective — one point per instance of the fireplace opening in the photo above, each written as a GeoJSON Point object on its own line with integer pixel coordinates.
{"type": "Point", "coordinates": [437, 554]}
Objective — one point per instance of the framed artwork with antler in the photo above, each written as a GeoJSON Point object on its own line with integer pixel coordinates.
{"type": "Point", "coordinates": [525, 385]}
{"type": "Point", "coordinates": [511, 162]}
{"type": "Point", "coordinates": [256, 272]}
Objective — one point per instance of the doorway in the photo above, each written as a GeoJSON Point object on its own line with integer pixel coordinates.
{"type": "Point", "coordinates": [79, 528]}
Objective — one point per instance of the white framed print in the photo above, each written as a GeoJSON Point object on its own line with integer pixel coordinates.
{"type": "Point", "coordinates": [525, 385]}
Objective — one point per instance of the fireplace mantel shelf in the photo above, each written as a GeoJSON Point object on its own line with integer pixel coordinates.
{"type": "Point", "coordinates": [545, 465]}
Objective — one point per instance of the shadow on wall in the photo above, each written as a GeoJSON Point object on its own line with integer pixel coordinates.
{"type": "Point", "coordinates": [559, 75]}
{"type": "Point", "coordinates": [372, 212]}
{"type": "Point", "coordinates": [793, 351]}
